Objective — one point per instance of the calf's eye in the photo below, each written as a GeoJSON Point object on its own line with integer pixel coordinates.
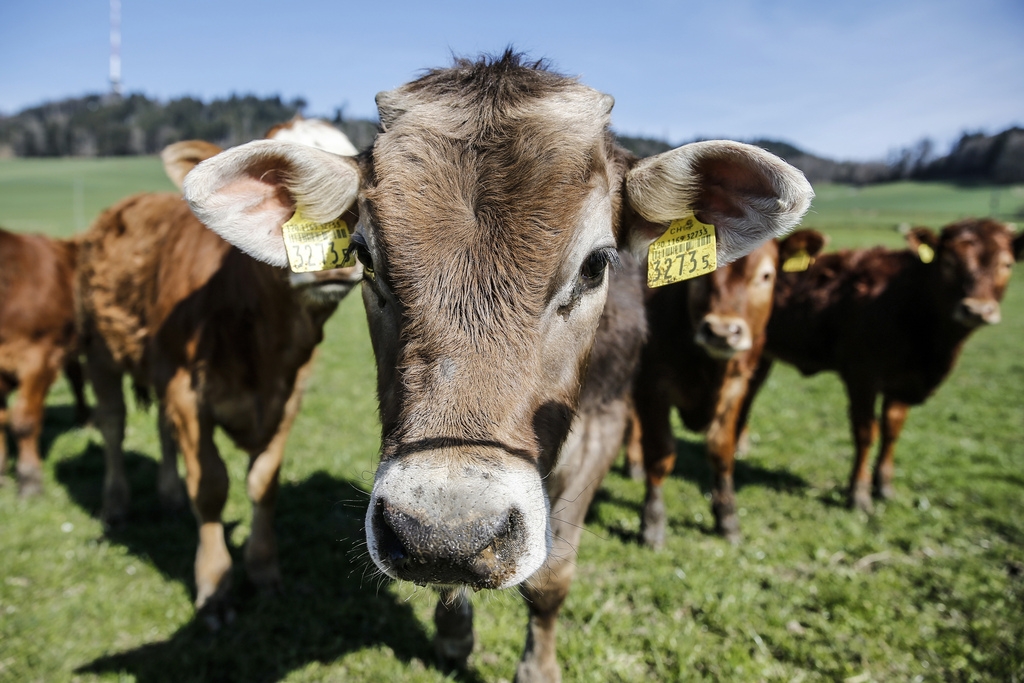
{"type": "Point", "coordinates": [593, 270]}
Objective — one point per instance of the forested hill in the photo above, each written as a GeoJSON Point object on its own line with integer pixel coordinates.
{"type": "Point", "coordinates": [99, 125]}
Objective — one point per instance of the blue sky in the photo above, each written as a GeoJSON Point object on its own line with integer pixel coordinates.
{"type": "Point", "coordinates": [846, 80]}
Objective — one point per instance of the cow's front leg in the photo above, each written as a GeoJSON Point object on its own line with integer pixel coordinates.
{"type": "Point", "coordinates": [262, 485]}
{"type": "Point", "coordinates": [453, 618]}
{"type": "Point", "coordinates": [206, 480]}
{"type": "Point", "coordinates": [865, 430]}
{"type": "Point", "coordinates": [592, 446]}
{"type": "Point", "coordinates": [894, 414]}
{"type": "Point", "coordinates": [76, 379]}
{"type": "Point", "coordinates": [168, 483]}
{"type": "Point", "coordinates": [27, 421]}
{"type": "Point", "coordinates": [106, 380]}
{"type": "Point", "coordinates": [721, 444]}
{"type": "Point", "coordinates": [659, 459]}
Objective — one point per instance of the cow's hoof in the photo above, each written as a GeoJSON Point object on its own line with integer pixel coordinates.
{"type": "Point", "coordinates": [30, 483]}
{"type": "Point", "coordinates": [453, 652]}
{"type": "Point", "coordinates": [172, 496]}
{"type": "Point", "coordinates": [216, 614]}
{"type": "Point", "coordinates": [728, 527]}
{"type": "Point", "coordinates": [264, 576]}
{"type": "Point", "coordinates": [886, 491]}
{"type": "Point", "coordinates": [636, 471]}
{"type": "Point", "coordinates": [860, 498]}
{"type": "Point", "coordinates": [536, 672]}
{"type": "Point", "coordinates": [654, 523]}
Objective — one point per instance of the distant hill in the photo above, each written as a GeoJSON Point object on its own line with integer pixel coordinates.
{"type": "Point", "coordinates": [99, 125]}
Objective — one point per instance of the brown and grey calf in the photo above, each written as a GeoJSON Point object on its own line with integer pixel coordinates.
{"type": "Point", "coordinates": [889, 322]}
{"type": "Point", "coordinates": [220, 338]}
{"type": "Point", "coordinates": [37, 340]}
{"type": "Point", "coordinates": [490, 208]}
{"type": "Point", "coordinates": [706, 338]}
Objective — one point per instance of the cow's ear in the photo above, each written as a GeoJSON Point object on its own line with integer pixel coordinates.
{"type": "Point", "coordinates": [805, 242]}
{"type": "Point", "coordinates": [182, 157]}
{"type": "Point", "coordinates": [1018, 246]}
{"type": "Point", "coordinates": [924, 242]}
{"type": "Point", "coordinates": [748, 194]}
{"type": "Point", "coordinates": [246, 193]}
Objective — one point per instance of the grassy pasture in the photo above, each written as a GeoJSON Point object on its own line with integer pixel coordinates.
{"type": "Point", "coordinates": [929, 588]}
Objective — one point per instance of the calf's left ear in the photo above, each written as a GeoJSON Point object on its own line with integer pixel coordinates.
{"type": "Point", "coordinates": [181, 157]}
{"type": "Point", "coordinates": [247, 193]}
{"type": "Point", "coordinates": [748, 194]}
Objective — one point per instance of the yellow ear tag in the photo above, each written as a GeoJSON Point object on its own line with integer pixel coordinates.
{"type": "Point", "coordinates": [315, 246]}
{"type": "Point", "coordinates": [686, 250]}
{"type": "Point", "coordinates": [798, 262]}
{"type": "Point", "coordinates": [925, 253]}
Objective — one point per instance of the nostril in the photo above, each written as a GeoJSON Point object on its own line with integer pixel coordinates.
{"type": "Point", "coordinates": [389, 547]}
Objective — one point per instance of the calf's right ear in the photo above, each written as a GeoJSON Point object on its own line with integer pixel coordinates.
{"type": "Point", "coordinates": [248, 192]}
{"type": "Point", "coordinates": [748, 194]}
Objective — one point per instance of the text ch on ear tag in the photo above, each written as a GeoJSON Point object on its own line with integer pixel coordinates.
{"type": "Point", "coordinates": [313, 246]}
{"type": "Point", "coordinates": [686, 250]}
{"type": "Point", "coordinates": [798, 262]}
{"type": "Point", "coordinates": [925, 253]}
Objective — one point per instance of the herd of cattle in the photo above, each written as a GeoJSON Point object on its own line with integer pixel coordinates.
{"type": "Point", "coordinates": [502, 241]}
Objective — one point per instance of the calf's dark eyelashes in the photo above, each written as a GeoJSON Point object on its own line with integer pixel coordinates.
{"type": "Point", "coordinates": [592, 272]}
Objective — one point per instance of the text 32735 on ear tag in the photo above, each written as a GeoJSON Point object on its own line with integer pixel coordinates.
{"type": "Point", "coordinates": [686, 250]}
{"type": "Point", "coordinates": [316, 246]}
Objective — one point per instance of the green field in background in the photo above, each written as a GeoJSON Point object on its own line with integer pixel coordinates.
{"type": "Point", "coordinates": [928, 588]}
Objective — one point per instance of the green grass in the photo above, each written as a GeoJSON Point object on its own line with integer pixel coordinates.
{"type": "Point", "coordinates": [930, 587]}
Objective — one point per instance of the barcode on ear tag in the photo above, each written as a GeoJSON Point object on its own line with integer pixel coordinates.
{"type": "Point", "coordinates": [316, 246]}
{"type": "Point", "coordinates": [686, 250]}
{"type": "Point", "coordinates": [798, 262]}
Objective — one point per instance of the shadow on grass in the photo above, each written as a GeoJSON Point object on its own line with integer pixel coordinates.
{"type": "Point", "coordinates": [329, 605]}
{"type": "Point", "coordinates": [692, 465]}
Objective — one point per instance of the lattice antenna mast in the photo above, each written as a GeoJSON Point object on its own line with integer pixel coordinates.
{"type": "Point", "coordinates": [115, 48]}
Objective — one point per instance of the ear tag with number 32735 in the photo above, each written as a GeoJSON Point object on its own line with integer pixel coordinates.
{"type": "Point", "coordinates": [686, 250]}
{"type": "Point", "coordinates": [316, 246]}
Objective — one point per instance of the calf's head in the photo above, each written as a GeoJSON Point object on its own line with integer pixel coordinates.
{"type": "Point", "coordinates": [490, 207]}
{"type": "Point", "coordinates": [729, 307]}
{"type": "Point", "coordinates": [969, 266]}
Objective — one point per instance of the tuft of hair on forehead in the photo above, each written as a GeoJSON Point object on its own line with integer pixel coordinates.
{"type": "Point", "coordinates": [494, 92]}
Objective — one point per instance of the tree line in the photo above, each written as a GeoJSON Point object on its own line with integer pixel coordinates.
{"type": "Point", "coordinates": [104, 125]}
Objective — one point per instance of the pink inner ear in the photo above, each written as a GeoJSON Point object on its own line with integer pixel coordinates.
{"type": "Point", "coordinates": [260, 195]}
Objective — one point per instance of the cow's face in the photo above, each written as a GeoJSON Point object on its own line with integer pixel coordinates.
{"type": "Point", "coordinates": [971, 265]}
{"type": "Point", "coordinates": [490, 207]}
{"type": "Point", "coordinates": [730, 307]}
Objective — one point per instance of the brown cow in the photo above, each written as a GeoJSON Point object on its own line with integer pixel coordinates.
{"type": "Point", "coordinates": [490, 207]}
{"type": "Point", "coordinates": [889, 322]}
{"type": "Point", "coordinates": [37, 339]}
{"type": "Point", "coordinates": [223, 340]}
{"type": "Point", "coordinates": [706, 339]}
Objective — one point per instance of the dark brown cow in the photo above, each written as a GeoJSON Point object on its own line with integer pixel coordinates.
{"type": "Point", "coordinates": [706, 339]}
{"type": "Point", "coordinates": [889, 322]}
{"type": "Point", "coordinates": [490, 206]}
{"type": "Point", "coordinates": [223, 340]}
{"type": "Point", "coordinates": [37, 339]}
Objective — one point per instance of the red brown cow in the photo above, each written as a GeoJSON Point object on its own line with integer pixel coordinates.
{"type": "Point", "coordinates": [490, 207]}
{"type": "Point", "coordinates": [37, 339]}
{"type": "Point", "coordinates": [223, 340]}
{"type": "Point", "coordinates": [706, 338]}
{"type": "Point", "coordinates": [889, 322]}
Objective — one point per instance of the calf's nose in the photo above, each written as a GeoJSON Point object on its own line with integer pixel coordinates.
{"type": "Point", "coordinates": [724, 336]}
{"type": "Point", "coordinates": [979, 312]}
{"type": "Point", "coordinates": [480, 551]}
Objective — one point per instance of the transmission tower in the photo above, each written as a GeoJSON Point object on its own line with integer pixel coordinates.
{"type": "Point", "coordinates": [115, 48]}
